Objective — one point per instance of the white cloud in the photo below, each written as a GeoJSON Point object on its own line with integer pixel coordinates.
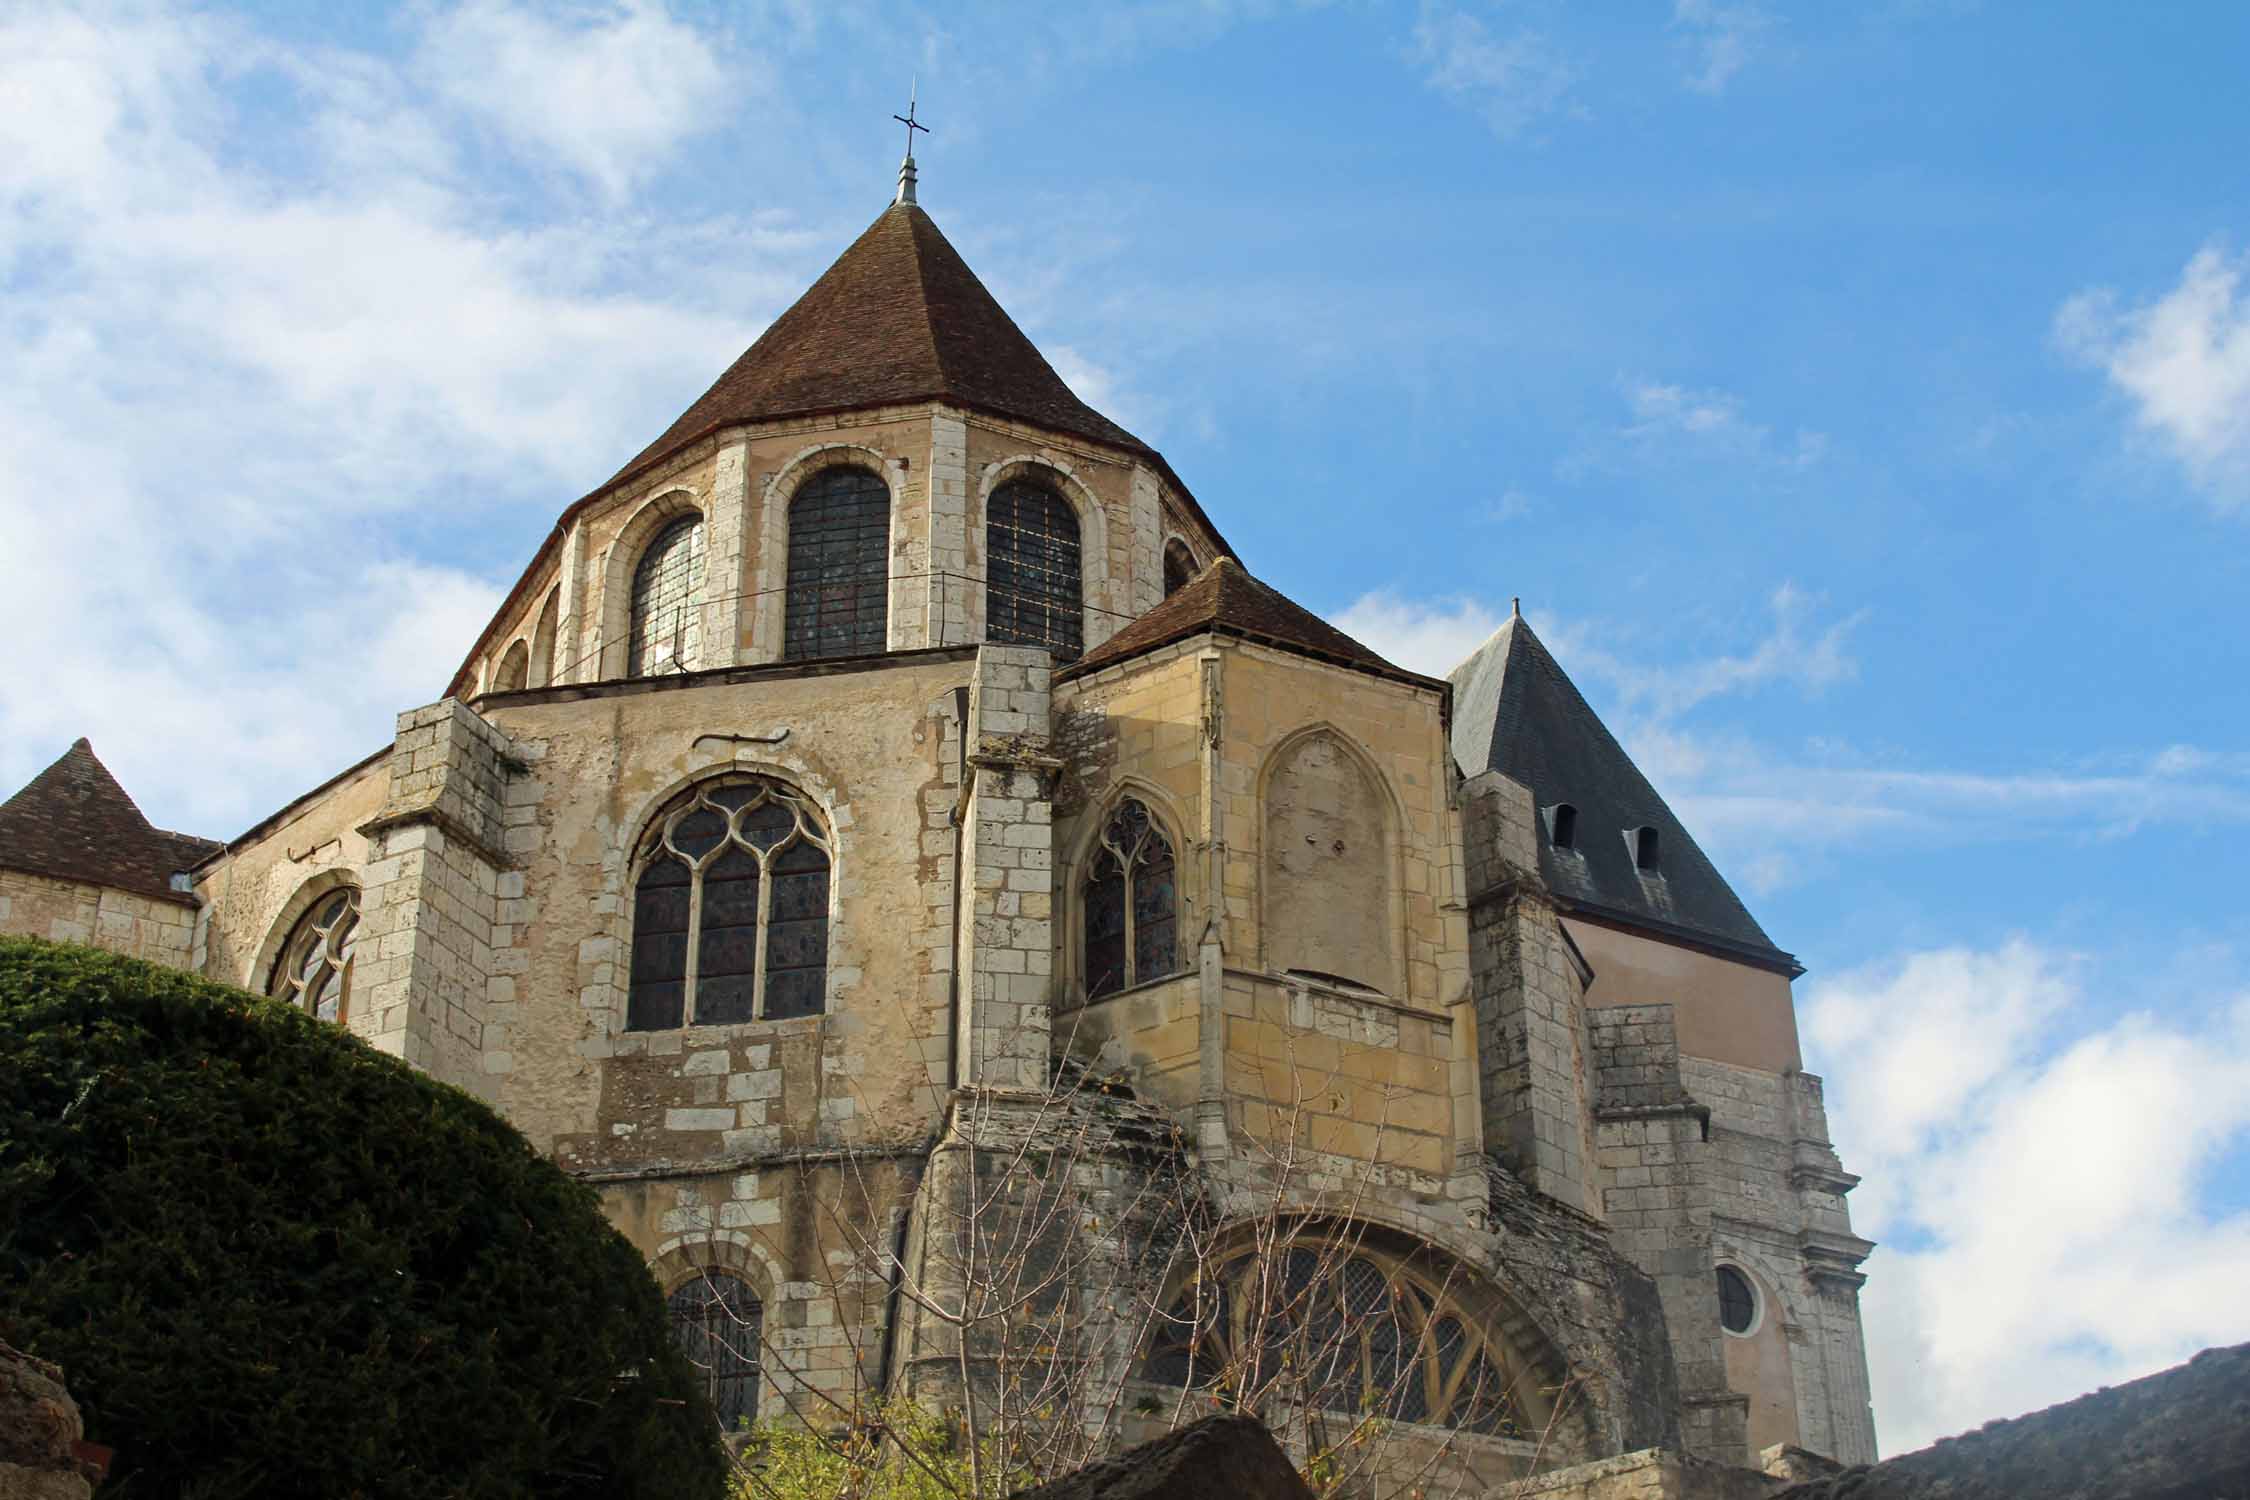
{"type": "Point", "coordinates": [2184, 363]}
{"type": "Point", "coordinates": [1714, 419]}
{"type": "Point", "coordinates": [605, 91]}
{"type": "Point", "coordinates": [1513, 81]}
{"type": "Point", "coordinates": [2043, 1177]}
{"type": "Point", "coordinates": [1431, 637]}
{"type": "Point", "coordinates": [222, 389]}
{"type": "Point", "coordinates": [1721, 37]}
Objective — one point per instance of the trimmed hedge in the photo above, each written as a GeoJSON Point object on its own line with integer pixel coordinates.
{"type": "Point", "coordinates": [272, 1261]}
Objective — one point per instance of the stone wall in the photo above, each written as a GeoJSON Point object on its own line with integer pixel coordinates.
{"type": "Point", "coordinates": [68, 911]}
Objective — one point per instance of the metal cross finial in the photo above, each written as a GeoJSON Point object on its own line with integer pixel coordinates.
{"type": "Point", "coordinates": [908, 119]}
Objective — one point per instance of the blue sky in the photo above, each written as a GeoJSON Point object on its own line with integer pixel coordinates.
{"type": "Point", "coordinates": [1857, 396]}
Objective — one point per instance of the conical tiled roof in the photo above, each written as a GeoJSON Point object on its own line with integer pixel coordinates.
{"type": "Point", "coordinates": [1515, 712]}
{"type": "Point", "coordinates": [899, 317]}
{"type": "Point", "coordinates": [1225, 600]}
{"type": "Point", "coordinates": [74, 822]}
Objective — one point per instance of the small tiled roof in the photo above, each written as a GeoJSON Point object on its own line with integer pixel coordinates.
{"type": "Point", "coordinates": [899, 317]}
{"type": "Point", "coordinates": [74, 822]}
{"type": "Point", "coordinates": [1225, 600]}
{"type": "Point", "coordinates": [1515, 712]}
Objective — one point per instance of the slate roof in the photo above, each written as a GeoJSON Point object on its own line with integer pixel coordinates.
{"type": "Point", "coordinates": [1515, 712]}
{"type": "Point", "coordinates": [899, 317]}
{"type": "Point", "coordinates": [74, 822]}
{"type": "Point", "coordinates": [1225, 600]}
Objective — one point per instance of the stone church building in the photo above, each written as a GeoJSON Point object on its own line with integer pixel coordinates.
{"type": "Point", "coordinates": [889, 779]}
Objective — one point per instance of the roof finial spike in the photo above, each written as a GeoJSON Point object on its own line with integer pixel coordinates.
{"type": "Point", "coordinates": [1515, 607]}
{"type": "Point", "coordinates": [906, 167]}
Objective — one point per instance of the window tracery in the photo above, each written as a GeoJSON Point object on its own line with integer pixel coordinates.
{"type": "Point", "coordinates": [838, 596]}
{"type": "Point", "coordinates": [1130, 906]}
{"type": "Point", "coordinates": [313, 970]}
{"type": "Point", "coordinates": [718, 1321]}
{"type": "Point", "coordinates": [1342, 1328]}
{"type": "Point", "coordinates": [666, 629]}
{"type": "Point", "coordinates": [730, 911]}
{"type": "Point", "coordinates": [1032, 570]}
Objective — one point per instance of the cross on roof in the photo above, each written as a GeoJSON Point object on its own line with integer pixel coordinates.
{"type": "Point", "coordinates": [908, 119]}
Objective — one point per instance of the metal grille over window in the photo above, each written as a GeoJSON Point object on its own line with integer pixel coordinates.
{"type": "Point", "coordinates": [730, 912]}
{"type": "Point", "coordinates": [1131, 904]}
{"type": "Point", "coordinates": [839, 566]}
{"type": "Point", "coordinates": [1031, 595]}
{"type": "Point", "coordinates": [667, 625]}
{"type": "Point", "coordinates": [313, 972]}
{"type": "Point", "coordinates": [1343, 1330]}
{"type": "Point", "coordinates": [718, 1322]}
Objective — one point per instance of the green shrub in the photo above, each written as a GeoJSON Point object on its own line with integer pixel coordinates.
{"type": "Point", "coordinates": [272, 1261]}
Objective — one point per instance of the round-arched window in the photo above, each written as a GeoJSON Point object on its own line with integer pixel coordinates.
{"type": "Point", "coordinates": [666, 629]}
{"type": "Point", "coordinates": [719, 1322]}
{"type": "Point", "coordinates": [1738, 1301]}
{"type": "Point", "coordinates": [1031, 567]}
{"type": "Point", "coordinates": [1343, 1328]}
{"type": "Point", "coordinates": [313, 971]}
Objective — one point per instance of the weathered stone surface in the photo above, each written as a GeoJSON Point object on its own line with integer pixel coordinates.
{"type": "Point", "coordinates": [39, 1432]}
{"type": "Point", "coordinates": [2180, 1435]}
{"type": "Point", "coordinates": [1218, 1458]}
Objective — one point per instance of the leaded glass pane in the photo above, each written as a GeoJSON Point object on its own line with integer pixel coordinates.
{"type": "Point", "coordinates": [726, 949]}
{"type": "Point", "coordinates": [1105, 926]}
{"type": "Point", "coordinates": [660, 938]}
{"type": "Point", "coordinates": [666, 629]}
{"type": "Point", "coordinates": [838, 600]}
{"type": "Point", "coordinates": [718, 1322]}
{"type": "Point", "coordinates": [1032, 595]}
{"type": "Point", "coordinates": [797, 933]}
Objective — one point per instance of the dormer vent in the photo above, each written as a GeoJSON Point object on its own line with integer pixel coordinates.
{"type": "Point", "coordinates": [1644, 850]}
{"type": "Point", "coordinates": [1562, 826]}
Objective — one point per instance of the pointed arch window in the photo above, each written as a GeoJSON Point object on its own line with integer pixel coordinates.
{"type": "Point", "coordinates": [1343, 1328]}
{"type": "Point", "coordinates": [838, 601]}
{"type": "Point", "coordinates": [1032, 570]}
{"type": "Point", "coordinates": [1131, 904]}
{"type": "Point", "coordinates": [666, 630]}
{"type": "Point", "coordinates": [730, 909]}
{"type": "Point", "coordinates": [313, 971]}
{"type": "Point", "coordinates": [718, 1322]}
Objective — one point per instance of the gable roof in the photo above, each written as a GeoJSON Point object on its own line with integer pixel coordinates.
{"type": "Point", "coordinates": [1515, 712]}
{"type": "Point", "coordinates": [899, 317]}
{"type": "Point", "coordinates": [74, 822]}
{"type": "Point", "coordinates": [1225, 600]}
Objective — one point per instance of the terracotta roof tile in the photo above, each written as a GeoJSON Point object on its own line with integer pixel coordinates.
{"type": "Point", "coordinates": [74, 822]}
{"type": "Point", "coordinates": [899, 317]}
{"type": "Point", "coordinates": [1225, 600]}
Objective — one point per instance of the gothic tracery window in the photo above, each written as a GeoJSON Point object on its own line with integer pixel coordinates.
{"type": "Point", "coordinates": [1130, 904]}
{"type": "Point", "coordinates": [838, 599]}
{"type": "Point", "coordinates": [313, 970]}
{"type": "Point", "coordinates": [666, 630]}
{"type": "Point", "coordinates": [730, 910]}
{"type": "Point", "coordinates": [717, 1321]}
{"type": "Point", "coordinates": [1031, 561]}
{"type": "Point", "coordinates": [1343, 1329]}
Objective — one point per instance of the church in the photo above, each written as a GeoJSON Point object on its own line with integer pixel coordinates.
{"type": "Point", "coordinates": [978, 938]}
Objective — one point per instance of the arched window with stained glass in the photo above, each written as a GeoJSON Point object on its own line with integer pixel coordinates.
{"type": "Point", "coordinates": [838, 597]}
{"type": "Point", "coordinates": [1130, 906]}
{"type": "Point", "coordinates": [1032, 570]}
{"type": "Point", "coordinates": [719, 1323]}
{"type": "Point", "coordinates": [666, 626]}
{"type": "Point", "coordinates": [313, 970]}
{"type": "Point", "coordinates": [1344, 1327]}
{"type": "Point", "coordinates": [730, 909]}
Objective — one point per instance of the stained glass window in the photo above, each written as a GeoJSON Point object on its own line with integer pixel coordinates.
{"type": "Point", "coordinates": [1343, 1329]}
{"type": "Point", "coordinates": [730, 911]}
{"type": "Point", "coordinates": [1130, 904]}
{"type": "Point", "coordinates": [1031, 595]}
{"type": "Point", "coordinates": [313, 971]}
{"type": "Point", "coordinates": [667, 625]}
{"type": "Point", "coordinates": [718, 1322]}
{"type": "Point", "coordinates": [839, 565]}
